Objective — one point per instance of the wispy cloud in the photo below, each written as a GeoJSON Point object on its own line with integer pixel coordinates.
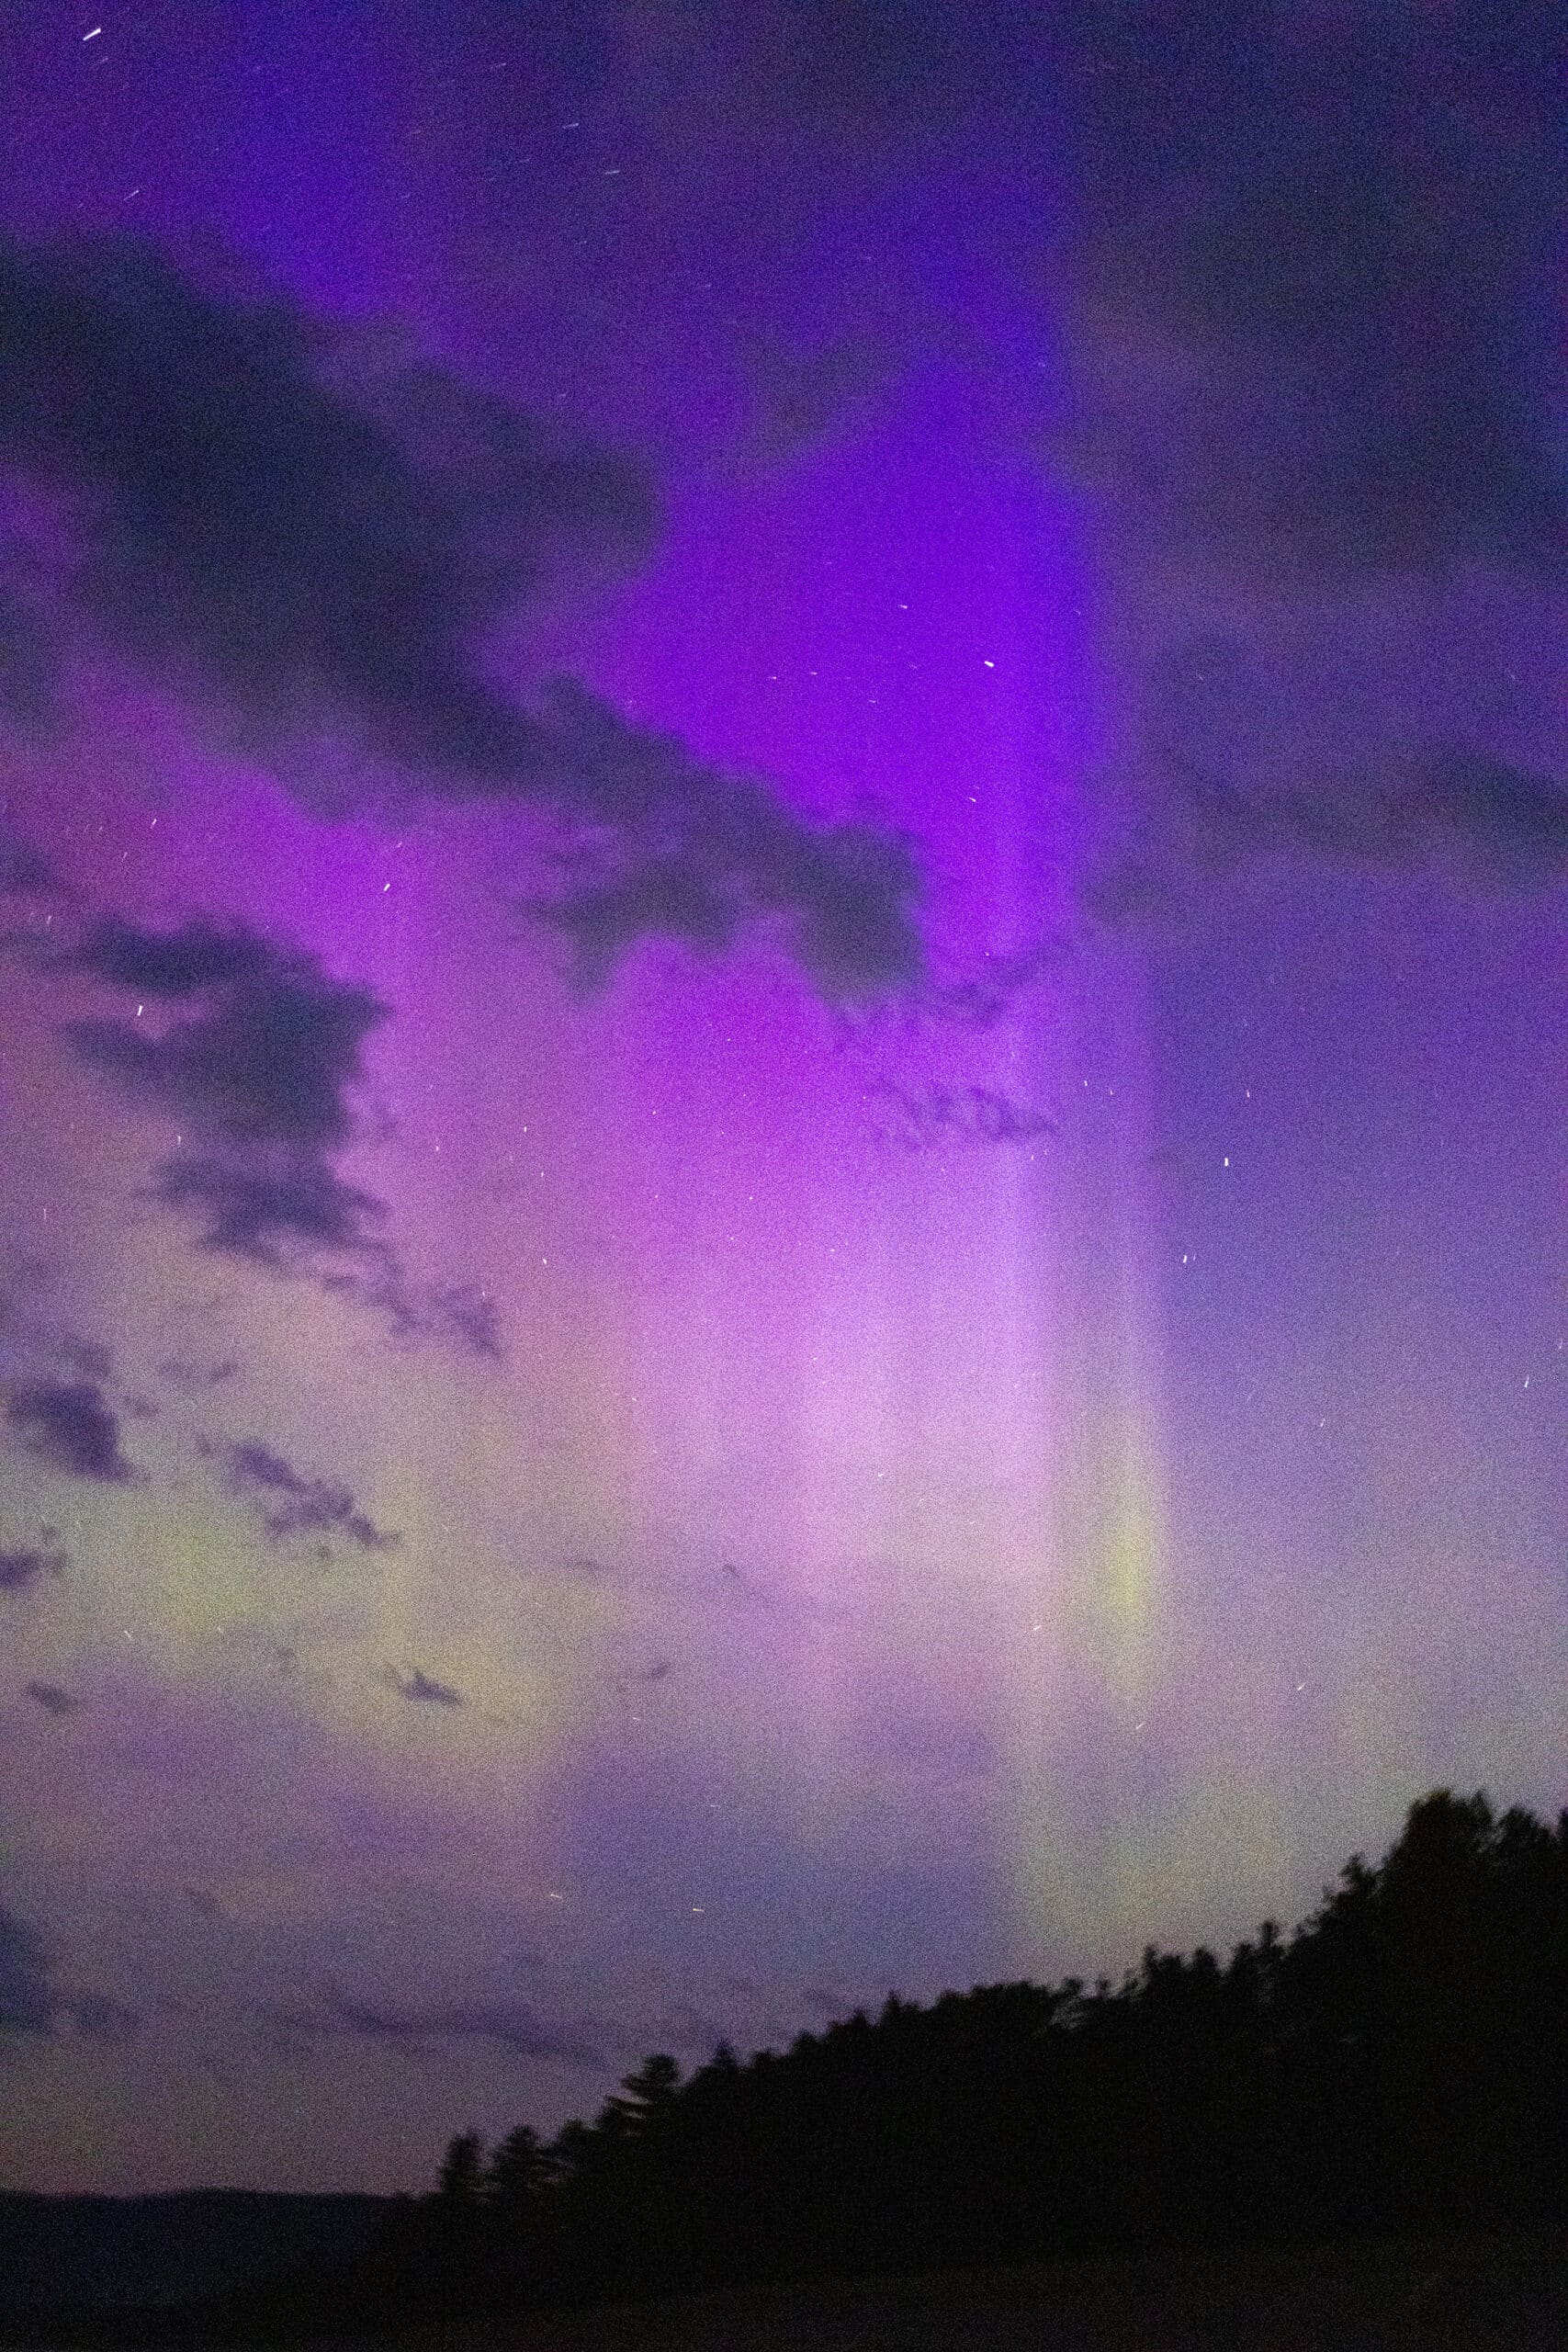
{"type": "Point", "coordinates": [422, 1688]}
{"type": "Point", "coordinates": [936, 1117]}
{"type": "Point", "coordinates": [513, 2024]}
{"type": "Point", "coordinates": [51, 1698]}
{"type": "Point", "coordinates": [290, 1504]}
{"type": "Point", "coordinates": [258, 1053]}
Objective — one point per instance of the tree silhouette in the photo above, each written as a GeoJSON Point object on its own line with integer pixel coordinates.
{"type": "Point", "coordinates": [515, 2180]}
{"type": "Point", "coordinates": [1399, 2062]}
{"type": "Point", "coordinates": [518, 2169]}
{"type": "Point", "coordinates": [462, 2169]}
{"type": "Point", "coordinates": [648, 2097]}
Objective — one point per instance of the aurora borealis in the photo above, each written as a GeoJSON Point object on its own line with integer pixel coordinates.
{"type": "Point", "coordinates": [781, 1126]}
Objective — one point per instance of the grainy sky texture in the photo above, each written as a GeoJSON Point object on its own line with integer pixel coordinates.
{"type": "Point", "coordinates": [783, 839]}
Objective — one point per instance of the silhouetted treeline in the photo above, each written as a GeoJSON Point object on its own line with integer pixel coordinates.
{"type": "Point", "coordinates": [1398, 2064]}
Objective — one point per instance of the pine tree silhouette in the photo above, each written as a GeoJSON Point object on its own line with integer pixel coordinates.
{"type": "Point", "coordinates": [1399, 2062]}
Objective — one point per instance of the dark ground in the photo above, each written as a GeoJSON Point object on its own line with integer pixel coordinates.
{"type": "Point", "coordinates": [1408, 2298]}
{"type": "Point", "coordinates": [103, 2253]}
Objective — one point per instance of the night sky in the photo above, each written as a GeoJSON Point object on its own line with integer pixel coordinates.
{"type": "Point", "coordinates": [782, 840]}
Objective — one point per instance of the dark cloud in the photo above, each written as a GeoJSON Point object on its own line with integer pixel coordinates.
{"type": "Point", "coordinates": [292, 1505]}
{"type": "Point", "coordinates": [1483, 812]}
{"type": "Point", "coordinates": [258, 1053]}
{"type": "Point", "coordinates": [1314, 318]}
{"type": "Point", "coordinates": [1255, 751]}
{"type": "Point", "coordinates": [313, 537]}
{"type": "Point", "coordinates": [284, 1209]}
{"type": "Point", "coordinates": [33, 2001]}
{"type": "Point", "coordinates": [23, 1566]}
{"type": "Point", "coordinates": [267, 1058]}
{"type": "Point", "coordinates": [422, 1688]}
{"type": "Point", "coordinates": [321, 543]}
{"type": "Point", "coordinates": [660, 846]}
{"type": "Point", "coordinates": [99, 2016]}
{"type": "Point", "coordinates": [27, 1999]}
{"type": "Point", "coordinates": [70, 1426]}
{"type": "Point", "coordinates": [1302, 272]}
{"type": "Point", "coordinates": [513, 2024]}
{"type": "Point", "coordinates": [51, 1698]}
{"type": "Point", "coordinates": [1310, 270]}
